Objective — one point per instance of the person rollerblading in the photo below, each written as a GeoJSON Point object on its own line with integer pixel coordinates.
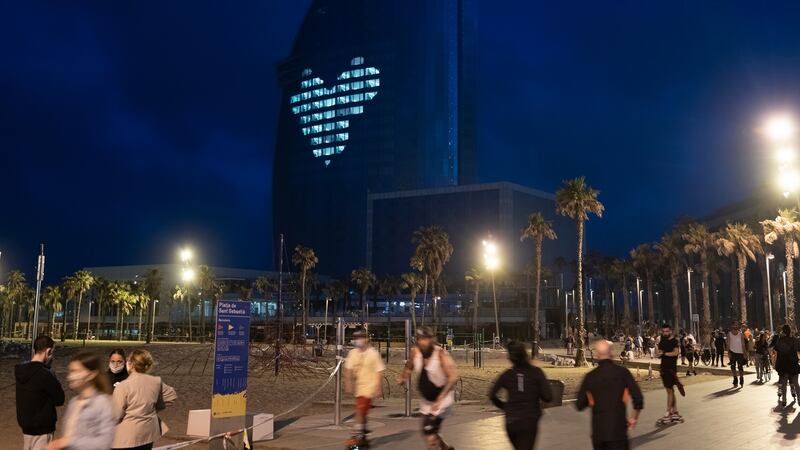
{"type": "Point", "coordinates": [784, 351]}
{"type": "Point", "coordinates": [362, 377]}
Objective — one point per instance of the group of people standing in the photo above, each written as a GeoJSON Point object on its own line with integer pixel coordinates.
{"type": "Point", "coordinates": [115, 404]}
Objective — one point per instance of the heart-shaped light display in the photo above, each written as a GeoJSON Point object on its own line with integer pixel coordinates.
{"type": "Point", "coordinates": [325, 113]}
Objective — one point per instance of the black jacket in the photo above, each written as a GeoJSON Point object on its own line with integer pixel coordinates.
{"type": "Point", "coordinates": [526, 387]}
{"type": "Point", "coordinates": [38, 394]}
{"type": "Point", "coordinates": [607, 389]}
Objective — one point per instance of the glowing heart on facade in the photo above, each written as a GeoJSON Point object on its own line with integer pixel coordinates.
{"type": "Point", "coordinates": [325, 112]}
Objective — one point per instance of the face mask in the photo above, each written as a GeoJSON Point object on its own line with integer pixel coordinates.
{"type": "Point", "coordinates": [360, 343]}
{"type": "Point", "coordinates": [76, 380]}
{"type": "Point", "coordinates": [116, 369]}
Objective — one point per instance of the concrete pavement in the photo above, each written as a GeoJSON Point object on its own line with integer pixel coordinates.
{"type": "Point", "coordinates": [717, 416]}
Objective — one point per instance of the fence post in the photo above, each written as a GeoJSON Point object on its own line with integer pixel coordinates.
{"type": "Point", "coordinates": [407, 356]}
{"type": "Point", "coordinates": [337, 412]}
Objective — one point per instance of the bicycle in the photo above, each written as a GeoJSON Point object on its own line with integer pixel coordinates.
{"type": "Point", "coordinates": [707, 357]}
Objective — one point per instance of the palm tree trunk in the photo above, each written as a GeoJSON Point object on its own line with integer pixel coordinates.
{"type": "Point", "coordinates": [202, 320]}
{"type": "Point", "coordinates": [139, 331]}
{"type": "Point", "coordinates": [538, 297]}
{"type": "Point", "coordinates": [650, 303]}
{"type": "Point", "coordinates": [475, 310]}
{"type": "Point", "coordinates": [424, 298]}
{"type": "Point", "coordinates": [790, 285]}
{"type": "Point", "coordinates": [100, 318]}
{"type": "Point", "coordinates": [119, 322]}
{"type": "Point", "coordinates": [762, 266]}
{"type": "Point", "coordinates": [304, 318]}
{"type": "Point", "coordinates": [434, 307]}
{"type": "Point", "coordinates": [77, 321]}
{"type": "Point", "coordinates": [189, 298]}
{"type": "Point", "coordinates": [413, 313]}
{"type": "Point", "coordinates": [732, 302]}
{"type": "Point", "coordinates": [705, 325]}
{"type": "Point", "coordinates": [64, 321]}
{"type": "Point", "coordinates": [626, 305]}
{"type": "Point", "coordinates": [715, 297]}
{"type": "Point", "coordinates": [580, 357]}
{"type": "Point", "coordinates": [742, 266]}
{"type": "Point", "coordinates": [676, 299]}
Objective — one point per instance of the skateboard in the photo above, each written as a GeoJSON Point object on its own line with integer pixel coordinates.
{"type": "Point", "coordinates": [357, 443]}
{"type": "Point", "coordinates": [669, 420]}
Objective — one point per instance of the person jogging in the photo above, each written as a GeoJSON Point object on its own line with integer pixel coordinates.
{"type": "Point", "coordinates": [364, 364]}
{"type": "Point", "coordinates": [525, 386]}
{"type": "Point", "coordinates": [784, 352]}
{"type": "Point", "coordinates": [437, 378]}
{"type": "Point", "coordinates": [668, 351]}
{"type": "Point", "coordinates": [737, 348]}
{"type": "Point", "coordinates": [606, 389]}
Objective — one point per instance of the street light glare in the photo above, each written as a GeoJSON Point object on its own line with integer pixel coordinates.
{"type": "Point", "coordinates": [779, 129]}
{"type": "Point", "coordinates": [789, 181]}
{"type": "Point", "coordinates": [186, 254]}
{"type": "Point", "coordinates": [786, 155]}
{"type": "Point", "coordinates": [188, 274]}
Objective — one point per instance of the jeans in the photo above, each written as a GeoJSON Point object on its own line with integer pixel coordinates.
{"type": "Point", "coordinates": [792, 379]}
{"type": "Point", "coordinates": [736, 359]}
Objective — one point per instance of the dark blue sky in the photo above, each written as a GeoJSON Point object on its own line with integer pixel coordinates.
{"type": "Point", "coordinates": [127, 129]}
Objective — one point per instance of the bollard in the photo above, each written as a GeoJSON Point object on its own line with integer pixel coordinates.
{"type": "Point", "coordinates": [337, 412]}
{"type": "Point", "coordinates": [408, 382]}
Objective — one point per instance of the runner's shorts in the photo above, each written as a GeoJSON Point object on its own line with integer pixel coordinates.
{"type": "Point", "coordinates": [669, 377]}
{"type": "Point", "coordinates": [363, 404]}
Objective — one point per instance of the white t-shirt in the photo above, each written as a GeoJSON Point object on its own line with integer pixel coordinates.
{"type": "Point", "coordinates": [735, 343]}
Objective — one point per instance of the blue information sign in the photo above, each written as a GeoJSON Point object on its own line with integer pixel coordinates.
{"type": "Point", "coordinates": [231, 347]}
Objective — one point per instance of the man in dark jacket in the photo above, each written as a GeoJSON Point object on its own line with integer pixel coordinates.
{"type": "Point", "coordinates": [526, 386]}
{"type": "Point", "coordinates": [38, 394]}
{"type": "Point", "coordinates": [607, 389]}
{"type": "Point", "coordinates": [785, 351]}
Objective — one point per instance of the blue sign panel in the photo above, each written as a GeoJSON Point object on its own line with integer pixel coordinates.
{"type": "Point", "coordinates": [231, 347]}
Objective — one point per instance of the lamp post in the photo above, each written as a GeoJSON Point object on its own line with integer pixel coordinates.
{"type": "Point", "coordinates": [89, 321]}
{"type": "Point", "coordinates": [689, 284]}
{"type": "Point", "coordinates": [491, 261]}
{"type": "Point", "coordinates": [325, 324]}
{"type": "Point", "coordinates": [153, 321]}
{"type": "Point", "coordinates": [767, 257]}
{"type": "Point", "coordinates": [785, 298]}
{"type": "Point", "coordinates": [639, 301]}
{"type": "Point", "coordinates": [187, 276]}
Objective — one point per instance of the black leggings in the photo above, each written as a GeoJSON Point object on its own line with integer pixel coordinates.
{"type": "Point", "coordinates": [736, 359]}
{"type": "Point", "coordinates": [523, 438]}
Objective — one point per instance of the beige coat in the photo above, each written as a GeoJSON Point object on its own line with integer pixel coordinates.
{"type": "Point", "coordinates": [136, 402]}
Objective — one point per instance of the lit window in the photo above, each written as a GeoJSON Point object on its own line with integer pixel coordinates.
{"type": "Point", "coordinates": [342, 124]}
{"type": "Point", "coordinates": [357, 98]}
{"type": "Point", "coordinates": [357, 73]}
{"type": "Point", "coordinates": [339, 149]}
{"type": "Point", "coordinates": [295, 99]}
{"type": "Point", "coordinates": [356, 109]}
{"type": "Point", "coordinates": [342, 100]}
{"type": "Point", "coordinates": [357, 85]}
{"type": "Point", "coordinates": [369, 95]}
{"type": "Point", "coordinates": [342, 137]}
{"type": "Point", "coordinates": [307, 72]}
{"type": "Point", "coordinates": [317, 153]}
{"type": "Point", "coordinates": [344, 76]}
{"type": "Point", "coordinates": [343, 87]}
{"type": "Point", "coordinates": [357, 61]}
{"type": "Point", "coordinates": [372, 83]}
{"type": "Point", "coordinates": [371, 71]}
{"type": "Point", "coordinates": [329, 114]}
{"type": "Point", "coordinates": [295, 109]}
{"type": "Point", "coordinates": [316, 141]}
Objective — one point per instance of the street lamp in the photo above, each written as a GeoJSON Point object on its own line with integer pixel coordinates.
{"type": "Point", "coordinates": [767, 257]}
{"type": "Point", "coordinates": [779, 128]}
{"type": "Point", "coordinates": [325, 329]}
{"type": "Point", "coordinates": [492, 261]}
{"type": "Point", "coordinates": [639, 299]}
{"type": "Point", "coordinates": [689, 284]}
{"type": "Point", "coordinates": [153, 321]}
{"type": "Point", "coordinates": [186, 255]}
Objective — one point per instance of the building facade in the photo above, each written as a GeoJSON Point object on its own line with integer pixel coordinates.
{"type": "Point", "coordinates": [377, 97]}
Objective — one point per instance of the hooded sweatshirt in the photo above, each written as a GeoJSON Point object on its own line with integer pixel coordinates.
{"type": "Point", "coordinates": [38, 394]}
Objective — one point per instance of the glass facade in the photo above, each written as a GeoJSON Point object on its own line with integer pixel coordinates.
{"type": "Point", "coordinates": [373, 102]}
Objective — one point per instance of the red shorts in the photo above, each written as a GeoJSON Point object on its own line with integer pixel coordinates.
{"type": "Point", "coordinates": [363, 404]}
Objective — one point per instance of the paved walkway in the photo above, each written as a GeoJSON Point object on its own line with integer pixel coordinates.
{"type": "Point", "coordinates": [717, 416]}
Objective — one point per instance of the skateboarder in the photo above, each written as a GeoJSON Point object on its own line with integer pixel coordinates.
{"type": "Point", "coordinates": [364, 364]}
{"type": "Point", "coordinates": [607, 389]}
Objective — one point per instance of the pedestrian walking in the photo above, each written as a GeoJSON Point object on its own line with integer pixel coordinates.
{"type": "Point", "coordinates": [89, 421]}
{"type": "Point", "coordinates": [526, 387]}
{"type": "Point", "coordinates": [689, 344]}
{"type": "Point", "coordinates": [570, 343]}
{"type": "Point", "coordinates": [362, 377]}
{"type": "Point", "coordinates": [785, 350]}
{"type": "Point", "coordinates": [682, 346]}
{"type": "Point", "coordinates": [437, 378]}
{"type": "Point", "coordinates": [607, 389]}
{"type": "Point", "coordinates": [761, 355]}
{"type": "Point", "coordinates": [719, 347]}
{"type": "Point", "coordinates": [737, 349]}
{"type": "Point", "coordinates": [668, 350]}
{"type": "Point", "coordinates": [38, 392]}
{"type": "Point", "coordinates": [137, 401]}
{"type": "Point", "coordinates": [637, 345]}
{"type": "Point", "coordinates": [117, 372]}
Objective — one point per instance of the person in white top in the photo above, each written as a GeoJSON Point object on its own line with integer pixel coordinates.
{"type": "Point", "coordinates": [437, 378]}
{"type": "Point", "coordinates": [364, 364]}
{"type": "Point", "coordinates": [736, 353]}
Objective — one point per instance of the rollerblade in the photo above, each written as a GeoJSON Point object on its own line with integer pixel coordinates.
{"type": "Point", "coordinates": [669, 418]}
{"type": "Point", "coordinates": [357, 442]}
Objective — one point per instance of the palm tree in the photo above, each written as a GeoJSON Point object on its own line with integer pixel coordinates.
{"type": "Point", "coordinates": [102, 289]}
{"type": "Point", "coordinates": [577, 200]}
{"type": "Point", "coordinates": [121, 297]}
{"type": "Point", "coordinates": [473, 278]}
{"type": "Point", "coordinates": [787, 227]}
{"type": "Point", "coordinates": [432, 252]}
{"type": "Point", "coordinates": [305, 260]}
{"type": "Point", "coordinates": [364, 279]}
{"type": "Point", "coordinates": [16, 286]}
{"type": "Point", "coordinates": [413, 283]}
{"type": "Point", "coordinates": [622, 269]}
{"type": "Point", "coordinates": [142, 302]}
{"type": "Point", "coordinates": [152, 287]}
{"type": "Point", "coordinates": [739, 240]}
{"type": "Point", "coordinates": [5, 302]}
{"type": "Point", "coordinates": [537, 229]}
{"type": "Point", "coordinates": [645, 262]}
{"type": "Point", "coordinates": [671, 249]}
{"type": "Point", "coordinates": [206, 280]}
{"type": "Point", "coordinates": [51, 299]}
{"type": "Point", "coordinates": [180, 293]}
{"type": "Point", "coordinates": [702, 242]}
{"type": "Point", "coordinates": [83, 281]}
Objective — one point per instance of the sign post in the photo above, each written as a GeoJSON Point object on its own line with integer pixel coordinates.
{"type": "Point", "coordinates": [231, 348]}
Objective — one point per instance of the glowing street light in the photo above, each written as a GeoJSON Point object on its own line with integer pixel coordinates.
{"type": "Point", "coordinates": [788, 181]}
{"type": "Point", "coordinates": [186, 255]}
{"type": "Point", "coordinates": [187, 275]}
{"type": "Point", "coordinates": [779, 128]}
{"type": "Point", "coordinates": [492, 261]}
{"type": "Point", "coordinates": [786, 155]}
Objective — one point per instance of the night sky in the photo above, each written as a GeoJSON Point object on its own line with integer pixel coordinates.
{"type": "Point", "coordinates": [130, 128]}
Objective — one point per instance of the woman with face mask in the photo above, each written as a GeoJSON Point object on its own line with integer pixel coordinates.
{"type": "Point", "coordinates": [117, 371]}
{"type": "Point", "coordinates": [137, 401]}
{"type": "Point", "coordinates": [89, 422]}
